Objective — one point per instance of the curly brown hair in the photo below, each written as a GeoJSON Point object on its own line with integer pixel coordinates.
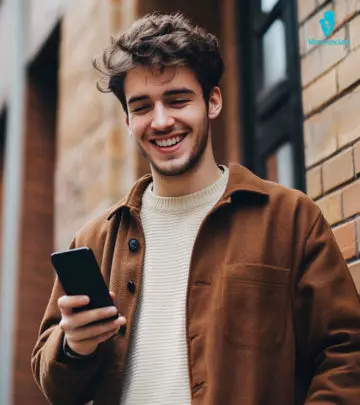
{"type": "Point", "coordinates": [163, 40]}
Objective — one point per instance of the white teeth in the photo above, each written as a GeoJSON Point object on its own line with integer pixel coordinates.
{"type": "Point", "coordinates": [169, 142]}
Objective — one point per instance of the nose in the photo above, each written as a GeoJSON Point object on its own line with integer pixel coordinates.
{"type": "Point", "coordinates": [161, 120]}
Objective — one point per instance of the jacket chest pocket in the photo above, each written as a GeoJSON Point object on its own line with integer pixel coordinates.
{"type": "Point", "coordinates": [254, 305]}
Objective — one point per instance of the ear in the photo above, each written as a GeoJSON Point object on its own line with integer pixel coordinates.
{"type": "Point", "coordinates": [215, 103]}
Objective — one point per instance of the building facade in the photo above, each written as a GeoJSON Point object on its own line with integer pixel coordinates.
{"type": "Point", "coordinates": [290, 115]}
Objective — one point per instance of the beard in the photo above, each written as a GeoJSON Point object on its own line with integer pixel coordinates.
{"type": "Point", "coordinates": [194, 158]}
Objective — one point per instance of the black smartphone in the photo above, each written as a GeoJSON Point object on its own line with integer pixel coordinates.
{"type": "Point", "coordinates": [79, 274]}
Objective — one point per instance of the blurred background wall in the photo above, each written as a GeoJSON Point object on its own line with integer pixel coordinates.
{"type": "Point", "coordinates": [290, 115]}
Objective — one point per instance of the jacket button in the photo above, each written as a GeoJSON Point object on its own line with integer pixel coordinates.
{"type": "Point", "coordinates": [134, 245]}
{"type": "Point", "coordinates": [131, 286]}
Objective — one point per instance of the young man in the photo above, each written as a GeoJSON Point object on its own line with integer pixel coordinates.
{"type": "Point", "coordinates": [232, 288]}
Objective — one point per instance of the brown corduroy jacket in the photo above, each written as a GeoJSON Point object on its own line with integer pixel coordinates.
{"type": "Point", "coordinates": [272, 314]}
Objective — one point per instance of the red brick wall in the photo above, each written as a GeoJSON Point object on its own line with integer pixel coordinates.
{"type": "Point", "coordinates": [331, 97]}
{"type": "Point", "coordinates": [35, 273]}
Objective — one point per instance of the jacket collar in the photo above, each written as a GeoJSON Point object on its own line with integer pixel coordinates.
{"type": "Point", "coordinates": [240, 180]}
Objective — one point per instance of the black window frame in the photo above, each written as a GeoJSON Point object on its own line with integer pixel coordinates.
{"type": "Point", "coordinates": [272, 118]}
{"type": "Point", "coordinates": [3, 122]}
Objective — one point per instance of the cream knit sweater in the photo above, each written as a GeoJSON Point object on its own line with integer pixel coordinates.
{"type": "Point", "coordinates": [157, 367]}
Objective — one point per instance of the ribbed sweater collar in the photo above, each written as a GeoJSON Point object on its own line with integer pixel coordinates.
{"type": "Point", "coordinates": [188, 202]}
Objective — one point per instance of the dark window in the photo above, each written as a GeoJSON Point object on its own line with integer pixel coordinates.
{"type": "Point", "coordinates": [2, 136]}
{"type": "Point", "coordinates": [271, 107]}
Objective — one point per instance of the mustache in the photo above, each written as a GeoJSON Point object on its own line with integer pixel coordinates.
{"type": "Point", "coordinates": [173, 130]}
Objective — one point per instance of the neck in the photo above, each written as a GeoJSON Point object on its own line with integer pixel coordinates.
{"type": "Point", "coordinates": [199, 177]}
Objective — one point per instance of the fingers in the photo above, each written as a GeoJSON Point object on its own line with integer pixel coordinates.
{"type": "Point", "coordinates": [82, 335]}
{"type": "Point", "coordinates": [94, 332]}
{"type": "Point", "coordinates": [80, 319]}
{"type": "Point", "coordinates": [88, 346]}
{"type": "Point", "coordinates": [66, 303]}
{"type": "Point", "coordinates": [105, 336]}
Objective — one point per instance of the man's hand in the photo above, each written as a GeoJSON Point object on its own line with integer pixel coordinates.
{"type": "Point", "coordinates": [81, 337]}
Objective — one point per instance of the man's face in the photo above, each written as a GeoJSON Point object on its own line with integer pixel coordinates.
{"type": "Point", "coordinates": [168, 118]}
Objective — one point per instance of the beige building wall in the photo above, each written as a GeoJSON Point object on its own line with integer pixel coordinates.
{"type": "Point", "coordinates": [96, 159]}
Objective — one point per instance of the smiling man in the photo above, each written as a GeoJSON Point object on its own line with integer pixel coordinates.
{"type": "Point", "coordinates": [232, 288]}
{"type": "Point", "coordinates": [170, 123]}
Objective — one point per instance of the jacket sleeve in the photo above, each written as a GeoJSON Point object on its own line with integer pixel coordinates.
{"type": "Point", "coordinates": [62, 380]}
{"type": "Point", "coordinates": [327, 321]}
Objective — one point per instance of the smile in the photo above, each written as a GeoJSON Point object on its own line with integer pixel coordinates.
{"type": "Point", "coordinates": [169, 144]}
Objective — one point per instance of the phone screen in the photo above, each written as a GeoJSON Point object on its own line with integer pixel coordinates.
{"type": "Point", "coordinates": [79, 274]}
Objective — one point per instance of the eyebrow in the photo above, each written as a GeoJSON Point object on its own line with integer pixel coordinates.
{"type": "Point", "coordinates": [173, 92]}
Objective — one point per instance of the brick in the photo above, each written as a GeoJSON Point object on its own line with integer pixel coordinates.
{"type": "Point", "coordinates": [301, 40]}
{"type": "Point", "coordinates": [351, 199]}
{"type": "Point", "coordinates": [330, 206]}
{"type": "Point", "coordinates": [312, 28]}
{"type": "Point", "coordinates": [333, 54]}
{"type": "Point", "coordinates": [85, 191]}
{"type": "Point", "coordinates": [77, 122]}
{"type": "Point", "coordinates": [313, 182]}
{"type": "Point", "coordinates": [340, 9]}
{"type": "Point", "coordinates": [77, 77]}
{"type": "Point", "coordinates": [305, 8]}
{"type": "Point", "coordinates": [311, 66]}
{"type": "Point", "coordinates": [76, 21]}
{"type": "Point", "coordinates": [319, 136]}
{"type": "Point", "coordinates": [338, 170]}
{"type": "Point", "coordinates": [354, 30]}
{"type": "Point", "coordinates": [357, 157]}
{"type": "Point", "coordinates": [348, 70]}
{"type": "Point", "coordinates": [347, 118]}
{"type": "Point", "coordinates": [355, 273]}
{"type": "Point", "coordinates": [345, 238]}
{"type": "Point", "coordinates": [319, 92]}
{"type": "Point", "coordinates": [320, 3]}
{"type": "Point", "coordinates": [345, 9]}
{"type": "Point", "coordinates": [76, 63]}
{"type": "Point", "coordinates": [353, 6]}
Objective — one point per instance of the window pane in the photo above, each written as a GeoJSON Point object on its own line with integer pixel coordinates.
{"type": "Point", "coordinates": [274, 54]}
{"type": "Point", "coordinates": [267, 5]}
{"type": "Point", "coordinates": [279, 166]}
